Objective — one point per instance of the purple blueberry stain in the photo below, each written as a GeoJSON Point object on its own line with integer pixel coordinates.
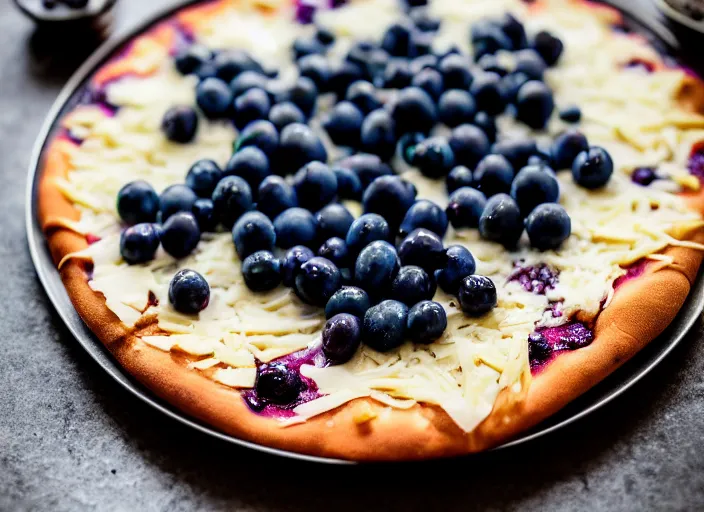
{"type": "Point", "coordinates": [546, 342]}
{"type": "Point", "coordinates": [642, 64]}
{"type": "Point", "coordinates": [696, 161]}
{"type": "Point", "coordinates": [643, 176]}
{"type": "Point", "coordinates": [305, 11]}
{"type": "Point", "coordinates": [632, 271]}
{"type": "Point", "coordinates": [537, 279]}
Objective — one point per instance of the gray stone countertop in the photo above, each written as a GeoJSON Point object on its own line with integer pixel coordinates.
{"type": "Point", "coordinates": [73, 439]}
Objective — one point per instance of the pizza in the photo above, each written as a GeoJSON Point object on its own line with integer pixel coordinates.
{"type": "Point", "coordinates": [378, 229]}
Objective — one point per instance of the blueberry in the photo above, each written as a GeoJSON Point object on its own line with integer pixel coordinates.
{"type": "Point", "coordinates": [459, 177]}
{"type": "Point", "coordinates": [513, 29]}
{"type": "Point", "coordinates": [261, 134]}
{"type": "Point", "coordinates": [477, 295]}
{"type": "Point", "coordinates": [366, 229]}
{"type": "Point", "coordinates": [592, 168]}
{"type": "Point", "coordinates": [204, 212]}
{"type": "Point", "coordinates": [385, 325]}
{"type": "Point", "coordinates": [548, 225]}
{"type": "Point", "coordinates": [302, 47]}
{"type": "Point", "coordinates": [517, 151]}
{"type": "Point", "coordinates": [490, 63]}
{"type": "Point", "coordinates": [364, 95]}
{"type": "Point", "coordinates": [315, 185]}
{"type": "Point", "coordinates": [325, 35]}
{"type": "Point", "coordinates": [530, 63]}
{"type": "Point", "coordinates": [343, 124]}
{"type": "Point", "coordinates": [422, 248]}
{"type": "Point", "coordinates": [460, 264]}
{"type": "Point", "coordinates": [434, 157]}
{"type": "Point", "coordinates": [390, 197]}
{"type": "Point", "coordinates": [176, 198]}
{"type": "Point", "coordinates": [317, 280]}
{"type": "Point", "coordinates": [292, 261]}
{"type": "Point", "coordinates": [180, 234]}
{"type": "Point", "coordinates": [532, 186]}
{"type": "Point", "coordinates": [206, 70]}
{"type": "Point", "coordinates": [501, 221]}
{"type": "Point", "coordinates": [249, 163]}
{"type": "Point", "coordinates": [250, 106]}
{"type": "Point", "coordinates": [253, 232]}
{"type": "Point", "coordinates": [493, 175]}
{"type": "Point", "coordinates": [571, 114]}
{"type": "Point", "coordinates": [469, 144]}
{"type": "Point", "coordinates": [378, 135]}
{"type": "Point", "coordinates": [367, 167]}
{"type": "Point", "coordinates": [487, 124]}
{"type": "Point", "coordinates": [344, 75]}
{"type": "Point", "coordinates": [421, 18]}
{"type": "Point", "coordinates": [229, 64]}
{"type": "Point", "coordinates": [511, 84]}
{"type": "Point", "coordinates": [335, 250]}
{"type": "Point", "coordinates": [334, 220]}
{"type": "Point", "coordinates": [189, 60]}
{"type": "Point", "coordinates": [411, 285]}
{"type": "Point", "coordinates": [295, 226]}
{"type": "Point", "coordinates": [426, 322]}
{"type": "Point", "coordinates": [422, 62]}
{"type": "Point", "coordinates": [139, 243]}
{"type": "Point", "coordinates": [275, 196]}
{"type": "Point", "coordinates": [248, 80]}
{"type": "Point", "coordinates": [203, 176]}
{"type": "Point", "coordinates": [304, 94]}
{"type": "Point", "coordinates": [456, 73]}
{"type": "Point", "coordinates": [317, 68]}
{"type": "Point", "coordinates": [278, 384]}
{"type": "Point", "coordinates": [189, 292]}
{"type": "Point", "coordinates": [397, 40]}
{"type": "Point", "coordinates": [534, 104]}
{"type": "Point", "coordinates": [137, 202]}
{"type": "Point", "coordinates": [407, 145]}
{"type": "Point", "coordinates": [430, 80]}
{"type": "Point", "coordinates": [376, 267]}
{"type": "Point", "coordinates": [456, 107]}
{"type": "Point", "coordinates": [349, 185]}
{"type": "Point", "coordinates": [538, 347]}
{"type": "Point", "coordinates": [566, 147]}
{"type": "Point", "coordinates": [486, 90]}
{"type": "Point", "coordinates": [285, 113]}
{"type": "Point", "coordinates": [341, 336]}
{"type": "Point", "coordinates": [414, 111]}
{"type": "Point", "coordinates": [298, 145]}
{"type": "Point", "coordinates": [465, 207]}
{"type": "Point", "coordinates": [348, 299]}
{"type": "Point", "coordinates": [213, 97]}
{"type": "Point", "coordinates": [231, 198]}
{"type": "Point", "coordinates": [488, 38]}
{"type": "Point", "coordinates": [179, 124]}
{"type": "Point", "coordinates": [643, 176]}
{"type": "Point", "coordinates": [424, 214]}
{"type": "Point", "coordinates": [548, 47]}
{"type": "Point", "coordinates": [261, 271]}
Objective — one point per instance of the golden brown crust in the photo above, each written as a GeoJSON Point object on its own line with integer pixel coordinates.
{"type": "Point", "coordinates": [640, 310]}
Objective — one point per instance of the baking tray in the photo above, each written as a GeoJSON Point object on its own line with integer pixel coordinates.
{"type": "Point", "coordinates": [641, 20]}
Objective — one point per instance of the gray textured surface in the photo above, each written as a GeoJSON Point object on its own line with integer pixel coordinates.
{"type": "Point", "coordinates": [72, 439]}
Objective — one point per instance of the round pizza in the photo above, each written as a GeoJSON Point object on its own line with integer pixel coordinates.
{"type": "Point", "coordinates": [378, 229]}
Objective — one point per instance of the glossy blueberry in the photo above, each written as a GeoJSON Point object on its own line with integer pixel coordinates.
{"type": "Point", "coordinates": [317, 280]}
{"type": "Point", "coordinates": [548, 47]}
{"type": "Point", "coordinates": [137, 202]}
{"type": "Point", "coordinates": [246, 81]}
{"type": "Point", "coordinates": [486, 89]}
{"type": "Point", "coordinates": [206, 70]}
{"type": "Point", "coordinates": [456, 73]}
{"type": "Point", "coordinates": [434, 157]}
{"type": "Point", "coordinates": [469, 144]}
{"type": "Point", "coordinates": [548, 225]}
{"type": "Point", "coordinates": [385, 325]}
{"type": "Point", "coordinates": [334, 220]}
{"type": "Point", "coordinates": [501, 221]}
{"type": "Point", "coordinates": [292, 261]}
{"type": "Point", "coordinates": [459, 177]}
{"type": "Point", "coordinates": [571, 114]}
{"type": "Point", "coordinates": [411, 285]}
{"type": "Point", "coordinates": [315, 185]}
{"type": "Point", "coordinates": [488, 38]}
{"type": "Point", "coordinates": [343, 75]}
{"type": "Point", "coordinates": [592, 168]}
{"type": "Point", "coordinates": [530, 63]}
{"type": "Point", "coordinates": [180, 234]}
{"type": "Point", "coordinates": [534, 104]}
{"type": "Point", "coordinates": [203, 176]}
{"type": "Point", "coordinates": [390, 197]}
{"type": "Point", "coordinates": [317, 68]}
{"type": "Point", "coordinates": [189, 292]}
{"type": "Point", "coordinates": [397, 74]}
{"type": "Point", "coordinates": [407, 145]}
{"type": "Point", "coordinates": [643, 176]}
{"type": "Point", "coordinates": [513, 29]}
{"type": "Point", "coordinates": [180, 124]}
{"type": "Point", "coordinates": [204, 212]}
{"type": "Point", "coordinates": [249, 163]}
{"type": "Point", "coordinates": [566, 147]}
{"type": "Point", "coordinates": [302, 47]}
{"type": "Point", "coordinates": [532, 186]}
{"type": "Point", "coordinates": [487, 124]}
{"type": "Point", "coordinates": [366, 229]}
{"type": "Point", "coordinates": [414, 111]}
{"type": "Point", "coordinates": [253, 232]}
{"type": "Point", "coordinates": [295, 226]}
{"type": "Point", "coordinates": [431, 81]}
{"type": "Point", "coordinates": [378, 134]}
{"type": "Point", "coordinates": [229, 64]}
{"type": "Point", "coordinates": [285, 113]}
{"type": "Point", "coordinates": [376, 64]}
{"type": "Point", "coordinates": [511, 84]}
{"type": "Point", "coordinates": [516, 150]}
{"type": "Point", "coordinates": [367, 167]}
{"type": "Point", "coordinates": [426, 322]}
{"type": "Point", "coordinates": [275, 196]}
{"type": "Point", "coordinates": [349, 185]}
{"type": "Point", "coordinates": [231, 198]}
{"type": "Point", "coordinates": [456, 107]}
{"type": "Point", "coordinates": [139, 243]}
{"type": "Point", "coordinates": [261, 134]}
{"type": "Point", "coordinates": [376, 267]}
{"type": "Point", "coordinates": [304, 94]}
{"type": "Point", "coordinates": [348, 299]}
{"type": "Point", "coordinates": [278, 384]}
{"type": "Point", "coordinates": [460, 264]}
{"type": "Point", "coordinates": [465, 207]}
{"type": "Point", "coordinates": [325, 35]}
{"type": "Point", "coordinates": [424, 214]}
{"type": "Point", "coordinates": [538, 347]}
{"type": "Point", "coordinates": [335, 249]}
{"type": "Point", "coordinates": [189, 60]}
{"type": "Point", "coordinates": [261, 271]}
{"type": "Point", "coordinates": [176, 198]}
{"type": "Point", "coordinates": [344, 123]}
{"type": "Point", "coordinates": [251, 106]}
{"type": "Point", "coordinates": [364, 95]}
{"type": "Point", "coordinates": [477, 295]}
{"type": "Point", "coordinates": [341, 337]}
{"type": "Point", "coordinates": [397, 40]}
{"type": "Point", "coordinates": [298, 145]}
{"type": "Point", "coordinates": [213, 97]}
{"type": "Point", "coordinates": [422, 248]}
{"type": "Point", "coordinates": [493, 175]}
